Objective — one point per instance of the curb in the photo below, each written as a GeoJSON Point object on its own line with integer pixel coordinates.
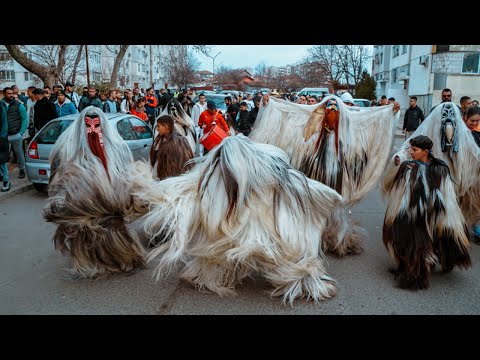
{"type": "Point", "coordinates": [15, 191]}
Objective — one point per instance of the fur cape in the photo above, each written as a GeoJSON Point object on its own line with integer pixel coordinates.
{"type": "Point", "coordinates": [169, 156]}
{"type": "Point", "coordinates": [462, 156]}
{"type": "Point", "coordinates": [423, 223]}
{"type": "Point", "coordinates": [183, 123]}
{"type": "Point", "coordinates": [241, 209]}
{"type": "Point", "coordinates": [350, 159]}
{"type": "Point", "coordinates": [92, 206]}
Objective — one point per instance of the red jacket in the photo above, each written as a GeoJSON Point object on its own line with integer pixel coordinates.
{"type": "Point", "coordinates": [142, 115]}
{"type": "Point", "coordinates": [207, 118]}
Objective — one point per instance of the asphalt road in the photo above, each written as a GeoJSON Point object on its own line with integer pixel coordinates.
{"type": "Point", "coordinates": [34, 280]}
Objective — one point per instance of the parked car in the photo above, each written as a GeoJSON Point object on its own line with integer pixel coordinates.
{"type": "Point", "coordinates": [218, 99]}
{"type": "Point", "coordinates": [362, 102]}
{"type": "Point", "coordinates": [136, 133]}
{"type": "Point", "coordinates": [314, 91]}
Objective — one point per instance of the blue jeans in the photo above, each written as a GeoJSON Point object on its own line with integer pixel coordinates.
{"type": "Point", "coordinates": [4, 171]}
{"type": "Point", "coordinates": [16, 141]}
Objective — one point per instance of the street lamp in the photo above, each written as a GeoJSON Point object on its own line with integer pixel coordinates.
{"type": "Point", "coordinates": [213, 58]}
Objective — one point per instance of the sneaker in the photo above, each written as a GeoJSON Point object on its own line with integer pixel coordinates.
{"type": "Point", "coordinates": [21, 175]}
{"type": "Point", "coordinates": [6, 186]}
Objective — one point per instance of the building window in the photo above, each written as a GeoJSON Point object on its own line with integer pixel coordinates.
{"type": "Point", "coordinates": [5, 55]}
{"type": "Point", "coordinates": [381, 58]}
{"type": "Point", "coordinates": [443, 48]}
{"type": "Point", "coordinates": [404, 49]}
{"type": "Point", "coordinates": [394, 76]}
{"type": "Point", "coordinates": [28, 76]}
{"type": "Point", "coordinates": [395, 50]}
{"type": "Point", "coordinates": [470, 63]}
{"type": "Point", "coordinates": [30, 56]}
{"type": "Point", "coordinates": [139, 67]}
{"type": "Point", "coordinates": [7, 75]}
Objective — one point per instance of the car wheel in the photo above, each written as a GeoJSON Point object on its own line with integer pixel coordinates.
{"type": "Point", "coordinates": [40, 187]}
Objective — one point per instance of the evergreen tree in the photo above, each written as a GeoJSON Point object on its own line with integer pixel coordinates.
{"type": "Point", "coordinates": [366, 87]}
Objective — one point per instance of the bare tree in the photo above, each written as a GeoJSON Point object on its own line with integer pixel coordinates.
{"type": "Point", "coordinates": [75, 64]}
{"type": "Point", "coordinates": [260, 69]}
{"type": "Point", "coordinates": [183, 67]}
{"type": "Point", "coordinates": [353, 61]}
{"type": "Point", "coordinates": [53, 56]}
{"type": "Point", "coordinates": [116, 66]}
{"type": "Point", "coordinates": [202, 49]}
{"type": "Point", "coordinates": [323, 64]}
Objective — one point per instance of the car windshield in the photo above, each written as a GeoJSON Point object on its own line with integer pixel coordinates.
{"type": "Point", "coordinates": [219, 100]}
{"type": "Point", "coordinates": [362, 103]}
{"type": "Point", "coordinates": [50, 133]}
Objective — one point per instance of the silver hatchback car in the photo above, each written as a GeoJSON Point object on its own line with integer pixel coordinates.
{"type": "Point", "coordinates": [136, 133]}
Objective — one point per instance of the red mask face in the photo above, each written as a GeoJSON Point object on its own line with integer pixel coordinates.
{"type": "Point", "coordinates": [93, 126]}
{"type": "Point", "coordinates": [95, 138]}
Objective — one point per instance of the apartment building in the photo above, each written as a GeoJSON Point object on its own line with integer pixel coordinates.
{"type": "Point", "coordinates": [424, 71]}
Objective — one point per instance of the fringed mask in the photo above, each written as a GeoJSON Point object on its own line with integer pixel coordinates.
{"type": "Point", "coordinates": [449, 129]}
{"type": "Point", "coordinates": [95, 137]}
{"type": "Point", "coordinates": [92, 123]}
{"type": "Point", "coordinates": [331, 115]}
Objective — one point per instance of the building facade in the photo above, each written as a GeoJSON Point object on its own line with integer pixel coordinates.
{"type": "Point", "coordinates": [143, 65]}
{"type": "Point", "coordinates": [424, 71]}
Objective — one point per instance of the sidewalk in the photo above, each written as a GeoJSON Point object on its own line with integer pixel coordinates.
{"type": "Point", "coordinates": [17, 185]}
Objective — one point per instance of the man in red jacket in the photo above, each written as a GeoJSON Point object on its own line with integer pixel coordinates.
{"type": "Point", "coordinates": [210, 116]}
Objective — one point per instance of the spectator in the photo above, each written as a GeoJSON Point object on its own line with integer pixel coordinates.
{"type": "Point", "coordinates": [446, 97]}
{"type": "Point", "coordinates": [475, 102]}
{"type": "Point", "coordinates": [128, 103]}
{"type": "Point", "coordinates": [4, 149]}
{"type": "Point", "coordinates": [391, 100]}
{"type": "Point", "coordinates": [139, 109]}
{"type": "Point", "coordinates": [150, 105]}
{"type": "Point", "coordinates": [383, 101]}
{"type": "Point", "coordinates": [111, 103]}
{"type": "Point", "coordinates": [44, 110]}
{"type": "Point", "coordinates": [243, 121]}
{"type": "Point", "coordinates": [18, 96]}
{"type": "Point", "coordinates": [465, 103]}
{"type": "Point", "coordinates": [71, 94]}
{"type": "Point", "coordinates": [90, 100]}
{"type": "Point", "coordinates": [63, 105]}
{"type": "Point", "coordinates": [413, 118]}
{"type": "Point", "coordinates": [17, 120]}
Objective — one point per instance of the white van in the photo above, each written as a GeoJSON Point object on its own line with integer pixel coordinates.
{"type": "Point", "coordinates": [314, 91]}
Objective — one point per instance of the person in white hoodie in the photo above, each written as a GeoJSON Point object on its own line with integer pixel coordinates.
{"type": "Point", "coordinates": [197, 109]}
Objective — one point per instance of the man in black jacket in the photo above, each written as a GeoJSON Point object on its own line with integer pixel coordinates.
{"type": "Point", "coordinates": [43, 110]}
{"type": "Point", "coordinates": [413, 117]}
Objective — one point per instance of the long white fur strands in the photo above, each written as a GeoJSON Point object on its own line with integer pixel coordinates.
{"type": "Point", "coordinates": [369, 131]}
{"type": "Point", "coordinates": [182, 121]}
{"type": "Point", "coordinates": [72, 146]}
{"type": "Point", "coordinates": [241, 209]}
{"type": "Point", "coordinates": [464, 164]}
{"type": "Point", "coordinates": [90, 207]}
{"type": "Point", "coordinates": [365, 141]}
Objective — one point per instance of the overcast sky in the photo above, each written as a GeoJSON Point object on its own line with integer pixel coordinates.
{"type": "Point", "coordinates": [236, 56]}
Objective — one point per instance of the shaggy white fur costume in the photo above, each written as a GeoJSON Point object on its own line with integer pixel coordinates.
{"type": "Point", "coordinates": [462, 157]}
{"type": "Point", "coordinates": [183, 123]}
{"type": "Point", "coordinates": [350, 159]}
{"type": "Point", "coordinates": [91, 207]}
{"type": "Point", "coordinates": [241, 209]}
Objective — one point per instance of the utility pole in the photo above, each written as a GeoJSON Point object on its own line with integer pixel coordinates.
{"type": "Point", "coordinates": [213, 67]}
{"type": "Point", "coordinates": [151, 67]}
{"type": "Point", "coordinates": [88, 71]}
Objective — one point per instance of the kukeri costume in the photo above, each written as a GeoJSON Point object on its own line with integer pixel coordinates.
{"type": "Point", "coordinates": [329, 142]}
{"type": "Point", "coordinates": [241, 209]}
{"type": "Point", "coordinates": [90, 197]}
